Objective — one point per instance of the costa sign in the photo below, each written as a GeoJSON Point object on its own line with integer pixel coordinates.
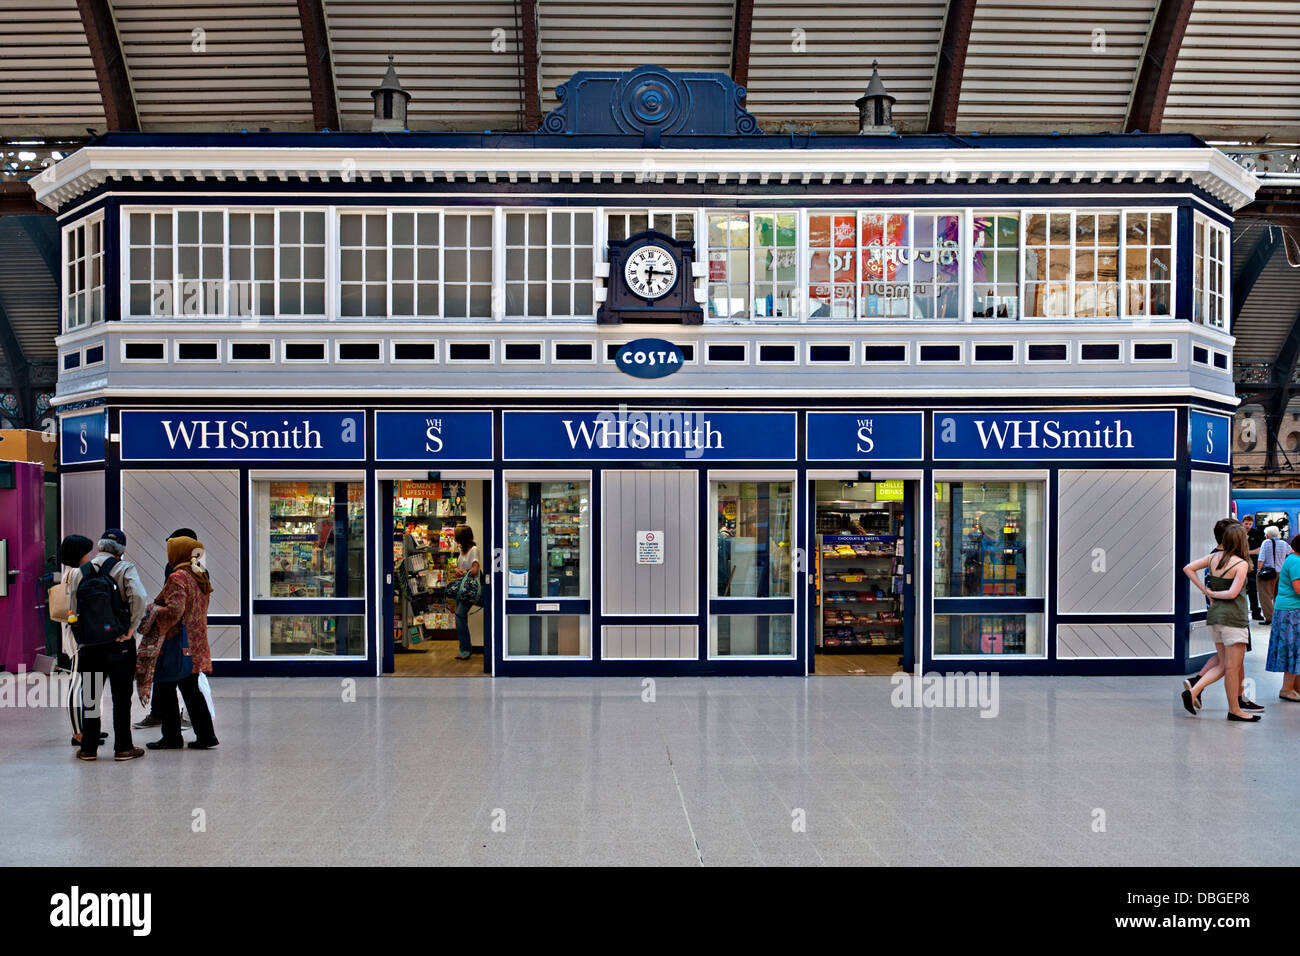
{"type": "Point", "coordinates": [649, 358]}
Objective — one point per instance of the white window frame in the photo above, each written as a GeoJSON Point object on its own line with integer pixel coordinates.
{"type": "Point", "coordinates": [284, 352]}
{"type": "Point", "coordinates": [551, 279]}
{"type": "Point", "coordinates": [711, 478]}
{"type": "Point", "coordinates": [137, 361]}
{"type": "Point", "coordinates": [184, 361]}
{"type": "Point", "coordinates": [392, 351]}
{"type": "Point", "coordinates": [1015, 353]}
{"type": "Point", "coordinates": [844, 343]}
{"type": "Point", "coordinates": [230, 351]}
{"type": "Point", "coordinates": [961, 347]}
{"type": "Point", "coordinates": [968, 261]}
{"type": "Point", "coordinates": [525, 476]}
{"type": "Point", "coordinates": [758, 352]}
{"type": "Point", "coordinates": [95, 223]}
{"type": "Point", "coordinates": [1045, 478]}
{"type": "Point", "coordinates": [1173, 352]}
{"type": "Point", "coordinates": [338, 349]}
{"type": "Point", "coordinates": [1203, 228]}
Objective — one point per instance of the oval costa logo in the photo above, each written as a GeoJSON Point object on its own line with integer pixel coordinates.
{"type": "Point", "coordinates": [649, 358]}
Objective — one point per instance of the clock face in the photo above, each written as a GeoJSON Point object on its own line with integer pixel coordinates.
{"type": "Point", "coordinates": [650, 271]}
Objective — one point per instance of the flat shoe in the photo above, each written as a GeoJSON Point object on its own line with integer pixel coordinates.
{"type": "Point", "coordinates": [1189, 702]}
{"type": "Point", "coordinates": [165, 745]}
{"type": "Point", "coordinates": [82, 755]}
{"type": "Point", "coordinates": [462, 657]}
{"type": "Point", "coordinates": [1293, 700]}
{"type": "Point", "coordinates": [133, 754]}
{"type": "Point", "coordinates": [1253, 718]}
{"type": "Point", "coordinates": [204, 745]}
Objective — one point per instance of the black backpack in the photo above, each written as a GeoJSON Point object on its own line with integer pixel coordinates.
{"type": "Point", "coordinates": [102, 616]}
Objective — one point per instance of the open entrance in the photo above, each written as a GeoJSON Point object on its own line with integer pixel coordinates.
{"type": "Point", "coordinates": [423, 557]}
{"type": "Point", "coordinates": [862, 607]}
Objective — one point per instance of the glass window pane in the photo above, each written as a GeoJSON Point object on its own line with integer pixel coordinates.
{"type": "Point", "coordinates": [989, 539]}
{"type": "Point", "coordinates": [750, 635]}
{"type": "Point", "coordinates": [752, 538]}
{"type": "Point", "coordinates": [975, 634]}
{"type": "Point", "coordinates": [332, 635]}
{"type": "Point", "coordinates": [310, 539]}
{"type": "Point", "coordinates": [550, 635]}
{"type": "Point", "coordinates": [548, 528]}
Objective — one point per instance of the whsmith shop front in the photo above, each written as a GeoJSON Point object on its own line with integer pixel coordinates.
{"type": "Point", "coordinates": [675, 538]}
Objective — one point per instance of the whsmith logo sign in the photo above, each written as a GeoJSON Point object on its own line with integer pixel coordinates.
{"type": "Point", "coordinates": [649, 358]}
{"type": "Point", "coordinates": [649, 435]}
{"type": "Point", "coordinates": [1101, 435]}
{"type": "Point", "coordinates": [244, 436]}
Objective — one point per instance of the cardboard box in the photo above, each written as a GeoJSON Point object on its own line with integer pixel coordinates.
{"type": "Point", "coordinates": [26, 445]}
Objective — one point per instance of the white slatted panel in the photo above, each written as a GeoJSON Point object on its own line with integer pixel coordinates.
{"type": "Point", "coordinates": [252, 72]}
{"type": "Point", "coordinates": [47, 79]}
{"type": "Point", "coordinates": [1236, 73]}
{"type": "Point", "coordinates": [1043, 66]}
{"type": "Point", "coordinates": [459, 61]}
{"type": "Point", "coordinates": [811, 59]}
{"type": "Point", "coordinates": [622, 34]}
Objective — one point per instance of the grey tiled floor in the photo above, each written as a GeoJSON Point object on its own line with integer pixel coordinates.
{"type": "Point", "coordinates": [583, 772]}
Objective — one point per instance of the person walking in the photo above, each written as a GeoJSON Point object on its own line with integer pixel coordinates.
{"type": "Point", "coordinates": [104, 611]}
{"type": "Point", "coordinates": [1254, 538]}
{"type": "Point", "coordinates": [183, 604]}
{"type": "Point", "coordinates": [1284, 636]}
{"type": "Point", "coordinates": [152, 719]}
{"type": "Point", "coordinates": [467, 567]}
{"type": "Point", "coordinates": [73, 551]}
{"type": "Point", "coordinates": [1271, 555]}
{"type": "Point", "coordinates": [1228, 620]}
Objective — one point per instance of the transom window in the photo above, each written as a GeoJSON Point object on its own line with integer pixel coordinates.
{"type": "Point", "coordinates": [678, 223]}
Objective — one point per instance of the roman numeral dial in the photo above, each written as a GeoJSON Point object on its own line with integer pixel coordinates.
{"type": "Point", "coordinates": [650, 271]}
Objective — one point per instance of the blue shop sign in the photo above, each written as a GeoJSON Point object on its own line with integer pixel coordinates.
{"type": "Point", "coordinates": [1101, 435]}
{"type": "Point", "coordinates": [433, 436]}
{"type": "Point", "coordinates": [82, 438]}
{"type": "Point", "coordinates": [1209, 437]}
{"type": "Point", "coordinates": [649, 358]}
{"type": "Point", "coordinates": [865, 436]}
{"type": "Point", "coordinates": [244, 436]}
{"type": "Point", "coordinates": [649, 435]}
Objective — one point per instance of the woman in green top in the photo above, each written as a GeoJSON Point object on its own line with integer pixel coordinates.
{"type": "Point", "coordinates": [1228, 620]}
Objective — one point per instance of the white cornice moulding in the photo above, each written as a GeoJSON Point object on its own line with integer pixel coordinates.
{"type": "Point", "coordinates": [1207, 167]}
{"type": "Point", "coordinates": [511, 397]}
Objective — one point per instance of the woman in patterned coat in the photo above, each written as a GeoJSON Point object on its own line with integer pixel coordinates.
{"type": "Point", "coordinates": [184, 601]}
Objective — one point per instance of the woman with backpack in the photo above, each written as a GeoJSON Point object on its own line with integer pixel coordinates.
{"type": "Point", "coordinates": [182, 609]}
{"type": "Point", "coordinates": [1228, 620]}
{"type": "Point", "coordinates": [467, 569]}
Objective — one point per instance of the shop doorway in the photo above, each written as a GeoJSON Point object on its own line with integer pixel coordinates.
{"type": "Point", "coordinates": [421, 556]}
{"type": "Point", "coordinates": [863, 607]}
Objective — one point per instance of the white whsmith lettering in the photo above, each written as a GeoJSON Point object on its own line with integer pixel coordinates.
{"type": "Point", "coordinates": [238, 436]}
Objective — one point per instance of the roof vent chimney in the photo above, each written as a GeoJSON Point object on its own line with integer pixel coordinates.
{"type": "Point", "coordinates": [390, 103]}
{"type": "Point", "coordinates": [875, 107]}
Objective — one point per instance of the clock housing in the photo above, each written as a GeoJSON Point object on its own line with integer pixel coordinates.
{"type": "Point", "coordinates": [651, 279]}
